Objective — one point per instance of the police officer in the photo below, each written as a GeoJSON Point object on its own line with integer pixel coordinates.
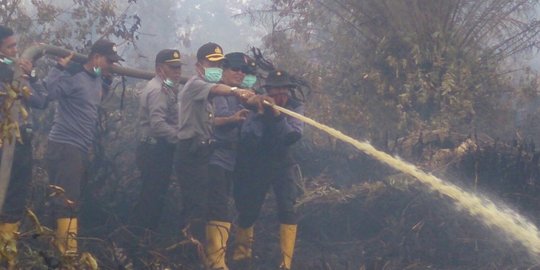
{"type": "Point", "coordinates": [229, 115]}
{"type": "Point", "coordinates": [158, 130]}
{"type": "Point", "coordinates": [78, 92]}
{"type": "Point", "coordinates": [21, 172]}
{"type": "Point", "coordinates": [264, 161]}
{"type": "Point", "coordinates": [196, 118]}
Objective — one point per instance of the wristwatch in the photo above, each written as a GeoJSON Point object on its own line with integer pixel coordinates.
{"type": "Point", "coordinates": [233, 89]}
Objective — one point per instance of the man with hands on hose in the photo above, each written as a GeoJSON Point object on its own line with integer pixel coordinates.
{"type": "Point", "coordinates": [265, 161]}
{"type": "Point", "coordinates": [79, 92]}
{"type": "Point", "coordinates": [229, 115]}
{"type": "Point", "coordinates": [196, 142]}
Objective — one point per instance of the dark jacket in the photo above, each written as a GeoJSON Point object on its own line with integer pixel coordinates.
{"type": "Point", "coordinates": [266, 137]}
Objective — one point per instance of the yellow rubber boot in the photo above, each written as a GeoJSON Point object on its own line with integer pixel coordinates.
{"type": "Point", "coordinates": [287, 237]}
{"type": "Point", "coordinates": [243, 242]}
{"type": "Point", "coordinates": [217, 234]}
{"type": "Point", "coordinates": [66, 236]}
{"type": "Point", "coordinates": [8, 243]}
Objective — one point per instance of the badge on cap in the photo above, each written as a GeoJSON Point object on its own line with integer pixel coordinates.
{"type": "Point", "coordinates": [218, 50]}
{"type": "Point", "coordinates": [176, 55]}
{"type": "Point", "coordinates": [278, 73]}
{"type": "Point", "coordinates": [114, 48]}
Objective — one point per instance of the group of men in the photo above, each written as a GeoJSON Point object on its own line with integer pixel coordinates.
{"type": "Point", "coordinates": [225, 142]}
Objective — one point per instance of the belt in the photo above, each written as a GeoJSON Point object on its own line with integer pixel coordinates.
{"type": "Point", "coordinates": [198, 141]}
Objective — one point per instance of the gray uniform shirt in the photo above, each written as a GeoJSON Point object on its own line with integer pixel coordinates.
{"type": "Point", "coordinates": [195, 110]}
{"type": "Point", "coordinates": [158, 111]}
{"type": "Point", "coordinates": [76, 117]}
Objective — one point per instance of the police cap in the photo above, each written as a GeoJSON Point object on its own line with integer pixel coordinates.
{"type": "Point", "coordinates": [169, 56]}
{"type": "Point", "coordinates": [211, 52]}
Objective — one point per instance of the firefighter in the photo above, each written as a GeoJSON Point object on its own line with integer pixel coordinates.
{"type": "Point", "coordinates": [229, 115]}
{"type": "Point", "coordinates": [265, 161]}
{"type": "Point", "coordinates": [196, 119]}
{"type": "Point", "coordinates": [79, 92]}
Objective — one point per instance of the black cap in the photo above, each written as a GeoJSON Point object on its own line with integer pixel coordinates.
{"type": "Point", "coordinates": [169, 56]}
{"type": "Point", "coordinates": [240, 60]}
{"type": "Point", "coordinates": [278, 78]}
{"type": "Point", "coordinates": [106, 48]}
{"type": "Point", "coordinates": [235, 60]}
{"type": "Point", "coordinates": [211, 52]}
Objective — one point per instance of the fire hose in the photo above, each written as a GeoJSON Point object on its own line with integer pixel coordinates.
{"type": "Point", "coordinates": [33, 53]}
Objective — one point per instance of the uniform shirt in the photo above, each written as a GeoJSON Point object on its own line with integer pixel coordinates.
{"type": "Point", "coordinates": [78, 93]}
{"type": "Point", "coordinates": [195, 110]}
{"type": "Point", "coordinates": [158, 111]}
{"type": "Point", "coordinates": [226, 136]}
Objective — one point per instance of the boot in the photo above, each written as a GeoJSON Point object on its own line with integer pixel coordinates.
{"type": "Point", "coordinates": [243, 242]}
{"type": "Point", "coordinates": [287, 237]}
{"type": "Point", "coordinates": [217, 234]}
{"type": "Point", "coordinates": [66, 236]}
{"type": "Point", "coordinates": [8, 243]}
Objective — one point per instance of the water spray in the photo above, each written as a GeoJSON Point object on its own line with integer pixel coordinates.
{"type": "Point", "coordinates": [511, 223]}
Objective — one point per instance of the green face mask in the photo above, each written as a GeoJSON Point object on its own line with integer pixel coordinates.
{"type": "Point", "coordinates": [213, 74]}
{"type": "Point", "coordinates": [97, 71]}
{"type": "Point", "coordinates": [6, 61]}
{"type": "Point", "coordinates": [249, 81]}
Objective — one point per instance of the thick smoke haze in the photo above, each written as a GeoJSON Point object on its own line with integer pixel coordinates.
{"type": "Point", "coordinates": [188, 24]}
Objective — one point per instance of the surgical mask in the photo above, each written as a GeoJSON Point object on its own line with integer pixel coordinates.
{"type": "Point", "coordinates": [213, 74]}
{"type": "Point", "coordinates": [249, 81]}
{"type": "Point", "coordinates": [6, 61]}
{"type": "Point", "coordinates": [168, 82]}
{"type": "Point", "coordinates": [97, 71]}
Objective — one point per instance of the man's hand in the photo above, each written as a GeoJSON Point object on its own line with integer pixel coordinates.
{"type": "Point", "coordinates": [25, 65]}
{"type": "Point", "coordinates": [64, 61]}
{"type": "Point", "coordinates": [263, 103]}
{"type": "Point", "coordinates": [243, 94]}
{"type": "Point", "coordinates": [257, 102]}
{"type": "Point", "coordinates": [240, 116]}
{"type": "Point", "coordinates": [269, 104]}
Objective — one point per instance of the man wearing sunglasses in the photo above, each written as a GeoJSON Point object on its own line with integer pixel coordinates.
{"type": "Point", "coordinates": [265, 161]}
{"type": "Point", "coordinates": [229, 115]}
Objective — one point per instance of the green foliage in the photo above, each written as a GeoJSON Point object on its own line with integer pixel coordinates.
{"type": "Point", "coordinates": [70, 24]}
